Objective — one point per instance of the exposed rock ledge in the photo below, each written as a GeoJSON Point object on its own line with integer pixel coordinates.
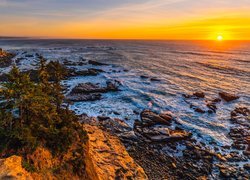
{"type": "Point", "coordinates": [105, 158]}
{"type": "Point", "coordinates": [11, 168]}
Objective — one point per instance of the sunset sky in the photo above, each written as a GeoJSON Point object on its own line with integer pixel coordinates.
{"type": "Point", "coordinates": [126, 19]}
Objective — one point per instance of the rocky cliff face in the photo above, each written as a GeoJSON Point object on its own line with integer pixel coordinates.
{"type": "Point", "coordinates": [105, 158]}
{"type": "Point", "coordinates": [11, 168]}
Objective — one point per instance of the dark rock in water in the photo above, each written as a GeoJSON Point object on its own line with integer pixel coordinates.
{"type": "Point", "coordinates": [88, 72]}
{"type": "Point", "coordinates": [90, 91]}
{"type": "Point", "coordinates": [136, 112]}
{"type": "Point", "coordinates": [75, 97]}
{"type": "Point", "coordinates": [150, 118]}
{"type": "Point", "coordinates": [144, 77]}
{"type": "Point", "coordinates": [199, 94]}
{"type": "Point", "coordinates": [29, 55]}
{"type": "Point", "coordinates": [199, 110]}
{"type": "Point", "coordinates": [227, 171]}
{"type": "Point", "coordinates": [85, 88]}
{"type": "Point", "coordinates": [212, 107]}
{"type": "Point", "coordinates": [155, 79]}
{"type": "Point", "coordinates": [112, 86]}
{"type": "Point", "coordinates": [96, 63]}
{"type": "Point", "coordinates": [116, 113]}
{"type": "Point", "coordinates": [103, 118]}
{"type": "Point", "coordinates": [186, 95]}
{"type": "Point", "coordinates": [216, 100]}
{"type": "Point", "coordinates": [228, 97]}
{"type": "Point", "coordinates": [247, 167]}
{"type": "Point", "coordinates": [149, 128]}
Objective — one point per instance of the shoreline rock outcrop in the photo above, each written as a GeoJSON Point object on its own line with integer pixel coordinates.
{"type": "Point", "coordinates": [107, 158]}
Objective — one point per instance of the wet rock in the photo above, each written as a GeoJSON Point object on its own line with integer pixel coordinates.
{"type": "Point", "coordinates": [228, 97]}
{"type": "Point", "coordinates": [149, 118]}
{"type": "Point", "coordinates": [29, 55]}
{"type": "Point", "coordinates": [212, 107]}
{"type": "Point", "coordinates": [216, 100]}
{"type": "Point", "coordinates": [85, 88]}
{"type": "Point", "coordinates": [247, 167]}
{"type": "Point", "coordinates": [113, 85]}
{"type": "Point", "coordinates": [95, 63]}
{"type": "Point", "coordinates": [227, 171]}
{"type": "Point", "coordinates": [114, 125]}
{"type": "Point", "coordinates": [88, 72]}
{"type": "Point", "coordinates": [155, 79]}
{"type": "Point", "coordinates": [103, 118]}
{"type": "Point", "coordinates": [77, 97]}
{"type": "Point", "coordinates": [144, 77]}
{"type": "Point", "coordinates": [199, 94]}
{"type": "Point", "coordinates": [199, 110]}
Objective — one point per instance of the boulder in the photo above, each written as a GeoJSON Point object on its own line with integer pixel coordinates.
{"type": "Point", "coordinates": [199, 94]}
{"type": "Point", "coordinates": [228, 97]}
{"type": "Point", "coordinates": [163, 134]}
{"type": "Point", "coordinates": [95, 63]}
{"type": "Point", "coordinates": [77, 97]}
{"type": "Point", "coordinates": [149, 118]}
{"type": "Point", "coordinates": [11, 168]}
{"type": "Point", "coordinates": [155, 79]}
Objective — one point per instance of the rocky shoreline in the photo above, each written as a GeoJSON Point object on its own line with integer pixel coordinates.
{"type": "Point", "coordinates": [158, 142]}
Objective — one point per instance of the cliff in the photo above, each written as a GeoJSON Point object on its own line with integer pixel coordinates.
{"type": "Point", "coordinates": [105, 158]}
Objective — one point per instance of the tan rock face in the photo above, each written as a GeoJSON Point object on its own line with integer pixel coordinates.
{"type": "Point", "coordinates": [107, 158]}
{"type": "Point", "coordinates": [11, 168]}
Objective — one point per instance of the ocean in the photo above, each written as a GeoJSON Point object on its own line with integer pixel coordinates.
{"type": "Point", "coordinates": [177, 68]}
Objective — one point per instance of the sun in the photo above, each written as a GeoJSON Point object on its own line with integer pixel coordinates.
{"type": "Point", "coordinates": [220, 38]}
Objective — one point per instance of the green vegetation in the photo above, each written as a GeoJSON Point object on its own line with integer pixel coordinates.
{"type": "Point", "coordinates": [31, 113]}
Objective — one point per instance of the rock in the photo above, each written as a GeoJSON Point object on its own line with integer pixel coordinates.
{"type": "Point", "coordinates": [216, 100]}
{"type": "Point", "coordinates": [212, 107]}
{"type": "Point", "coordinates": [96, 63]}
{"type": "Point", "coordinates": [173, 135]}
{"type": "Point", "coordinates": [103, 118]}
{"type": "Point", "coordinates": [77, 97]}
{"type": "Point", "coordinates": [227, 171]}
{"type": "Point", "coordinates": [107, 158]}
{"type": "Point", "coordinates": [149, 118]}
{"type": "Point", "coordinates": [144, 77]}
{"type": "Point", "coordinates": [88, 72]}
{"type": "Point", "coordinates": [155, 79]}
{"type": "Point", "coordinates": [199, 110]}
{"type": "Point", "coordinates": [112, 86]}
{"type": "Point", "coordinates": [247, 167]}
{"type": "Point", "coordinates": [86, 88]}
{"type": "Point", "coordinates": [228, 97]}
{"type": "Point", "coordinates": [11, 168]}
{"type": "Point", "coordinates": [90, 91]}
{"type": "Point", "coordinates": [199, 94]}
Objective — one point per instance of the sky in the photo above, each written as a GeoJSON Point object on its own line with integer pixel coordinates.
{"type": "Point", "coordinates": [126, 19]}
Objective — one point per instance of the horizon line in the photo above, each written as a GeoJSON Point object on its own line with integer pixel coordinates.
{"type": "Point", "coordinates": [74, 38]}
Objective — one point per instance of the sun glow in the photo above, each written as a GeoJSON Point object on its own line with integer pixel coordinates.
{"type": "Point", "coordinates": [220, 38]}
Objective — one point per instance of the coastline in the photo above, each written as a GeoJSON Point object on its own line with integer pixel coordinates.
{"type": "Point", "coordinates": [150, 139]}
